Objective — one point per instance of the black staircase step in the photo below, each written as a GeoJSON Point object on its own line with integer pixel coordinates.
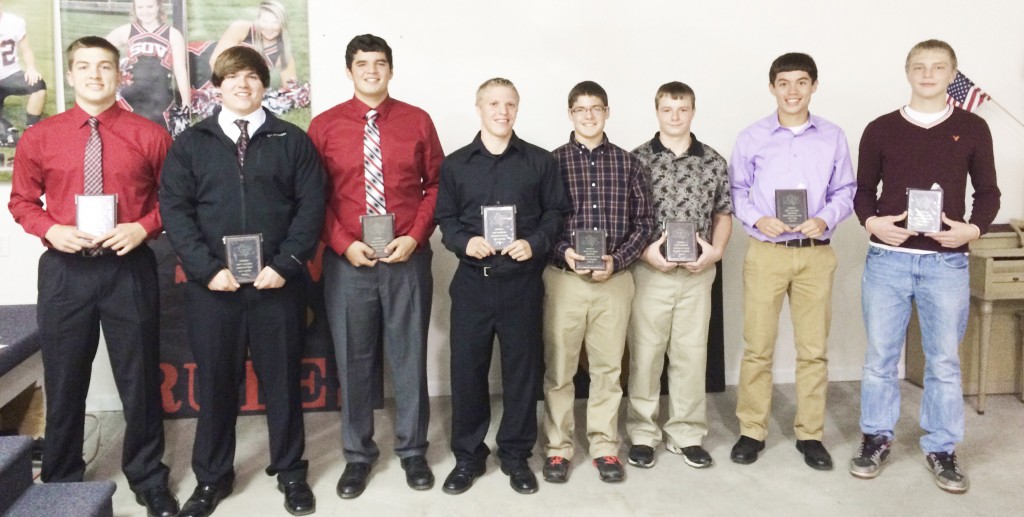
{"type": "Point", "coordinates": [15, 469]}
{"type": "Point", "coordinates": [86, 499]}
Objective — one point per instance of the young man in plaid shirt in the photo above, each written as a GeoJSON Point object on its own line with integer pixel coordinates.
{"type": "Point", "coordinates": [590, 305]}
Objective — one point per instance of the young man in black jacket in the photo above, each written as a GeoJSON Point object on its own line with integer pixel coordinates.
{"type": "Point", "coordinates": [242, 202]}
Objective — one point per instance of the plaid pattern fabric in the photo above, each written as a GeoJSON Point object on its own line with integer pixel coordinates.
{"type": "Point", "coordinates": [608, 191]}
{"type": "Point", "coordinates": [93, 159]}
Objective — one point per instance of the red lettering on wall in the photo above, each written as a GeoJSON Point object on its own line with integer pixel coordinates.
{"type": "Point", "coordinates": [191, 369]}
{"type": "Point", "coordinates": [314, 392]}
{"type": "Point", "coordinates": [252, 390]}
{"type": "Point", "coordinates": [316, 264]}
{"type": "Point", "coordinates": [166, 388]}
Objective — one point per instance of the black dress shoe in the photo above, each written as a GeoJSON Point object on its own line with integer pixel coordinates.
{"type": "Point", "coordinates": [462, 477]}
{"type": "Point", "coordinates": [417, 473]}
{"type": "Point", "coordinates": [353, 480]}
{"type": "Point", "coordinates": [746, 449]}
{"type": "Point", "coordinates": [205, 499]}
{"type": "Point", "coordinates": [298, 497]}
{"type": "Point", "coordinates": [159, 502]}
{"type": "Point", "coordinates": [815, 455]}
{"type": "Point", "coordinates": [520, 477]}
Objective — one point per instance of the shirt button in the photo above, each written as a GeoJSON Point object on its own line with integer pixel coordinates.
{"type": "Point", "coordinates": [593, 184]}
{"type": "Point", "coordinates": [595, 206]}
{"type": "Point", "coordinates": [592, 163]}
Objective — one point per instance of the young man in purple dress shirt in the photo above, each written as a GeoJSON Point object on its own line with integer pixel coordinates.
{"type": "Point", "coordinates": [789, 149]}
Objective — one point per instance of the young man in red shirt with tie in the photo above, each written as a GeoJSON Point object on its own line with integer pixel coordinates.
{"type": "Point", "coordinates": [87, 278]}
{"type": "Point", "coordinates": [382, 158]}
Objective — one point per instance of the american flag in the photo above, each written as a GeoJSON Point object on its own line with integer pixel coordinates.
{"type": "Point", "coordinates": [963, 93]}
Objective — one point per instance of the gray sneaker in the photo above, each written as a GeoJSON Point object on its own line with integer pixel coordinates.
{"type": "Point", "coordinates": [641, 456]}
{"type": "Point", "coordinates": [946, 470]}
{"type": "Point", "coordinates": [872, 453]}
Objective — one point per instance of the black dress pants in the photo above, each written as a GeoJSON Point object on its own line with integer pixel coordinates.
{"type": "Point", "coordinates": [77, 295]}
{"type": "Point", "coordinates": [510, 307]}
{"type": "Point", "coordinates": [224, 330]}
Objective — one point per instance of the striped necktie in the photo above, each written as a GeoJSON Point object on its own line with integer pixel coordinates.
{"type": "Point", "coordinates": [373, 167]}
{"type": "Point", "coordinates": [93, 160]}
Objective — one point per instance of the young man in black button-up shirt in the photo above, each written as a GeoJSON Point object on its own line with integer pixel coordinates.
{"type": "Point", "coordinates": [497, 291]}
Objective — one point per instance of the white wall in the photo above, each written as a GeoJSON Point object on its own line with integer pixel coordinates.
{"type": "Point", "coordinates": [444, 49]}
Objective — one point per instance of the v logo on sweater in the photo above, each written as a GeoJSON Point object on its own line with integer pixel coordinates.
{"type": "Point", "coordinates": [956, 138]}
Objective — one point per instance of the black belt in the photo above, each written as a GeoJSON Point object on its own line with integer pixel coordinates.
{"type": "Point", "coordinates": [96, 252]}
{"type": "Point", "coordinates": [802, 243]}
{"type": "Point", "coordinates": [493, 272]}
{"type": "Point", "coordinates": [497, 272]}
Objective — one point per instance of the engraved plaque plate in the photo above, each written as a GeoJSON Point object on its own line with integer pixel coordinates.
{"type": "Point", "coordinates": [378, 232]}
{"type": "Point", "coordinates": [499, 225]}
{"type": "Point", "coordinates": [924, 210]}
{"type": "Point", "coordinates": [791, 206]}
{"type": "Point", "coordinates": [96, 214]}
{"type": "Point", "coordinates": [590, 244]}
{"type": "Point", "coordinates": [245, 256]}
{"type": "Point", "coordinates": [681, 241]}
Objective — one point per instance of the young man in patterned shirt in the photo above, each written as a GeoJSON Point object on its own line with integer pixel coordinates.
{"type": "Point", "coordinates": [589, 304]}
{"type": "Point", "coordinates": [672, 305]}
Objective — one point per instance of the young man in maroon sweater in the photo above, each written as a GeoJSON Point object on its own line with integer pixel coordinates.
{"type": "Point", "coordinates": [924, 145]}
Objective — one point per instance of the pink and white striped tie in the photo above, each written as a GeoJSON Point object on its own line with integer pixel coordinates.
{"type": "Point", "coordinates": [373, 168]}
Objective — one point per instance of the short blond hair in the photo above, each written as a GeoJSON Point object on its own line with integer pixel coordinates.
{"type": "Point", "coordinates": [931, 44]}
{"type": "Point", "coordinates": [495, 81]}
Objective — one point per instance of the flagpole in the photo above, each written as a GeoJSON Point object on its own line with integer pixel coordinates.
{"type": "Point", "coordinates": [1015, 119]}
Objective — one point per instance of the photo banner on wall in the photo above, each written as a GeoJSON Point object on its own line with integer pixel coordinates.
{"type": "Point", "coordinates": [28, 72]}
{"type": "Point", "coordinates": [168, 49]}
{"type": "Point", "coordinates": [278, 29]}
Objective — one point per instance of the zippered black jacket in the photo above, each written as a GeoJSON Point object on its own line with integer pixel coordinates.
{"type": "Point", "coordinates": [205, 195]}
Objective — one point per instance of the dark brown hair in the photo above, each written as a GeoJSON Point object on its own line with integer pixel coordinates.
{"type": "Point", "coordinates": [236, 59]}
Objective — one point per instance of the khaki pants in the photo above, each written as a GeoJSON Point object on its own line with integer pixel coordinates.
{"type": "Point", "coordinates": [671, 312]}
{"type": "Point", "coordinates": [577, 313]}
{"type": "Point", "coordinates": [771, 272]}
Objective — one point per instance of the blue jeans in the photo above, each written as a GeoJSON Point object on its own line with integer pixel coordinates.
{"type": "Point", "coordinates": [939, 284]}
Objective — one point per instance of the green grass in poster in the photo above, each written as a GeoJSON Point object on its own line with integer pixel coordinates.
{"type": "Point", "coordinates": [39, 22]}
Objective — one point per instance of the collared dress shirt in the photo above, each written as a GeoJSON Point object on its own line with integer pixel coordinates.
{"type": "Point", "coordinates": [608, 191]}
{"type": "Point", "coordinates": [768, 157]}
{"type": "Point", "coordinates": [133, 154]}
{"type": "Point", "coordinates": [523, 175]}
{"type": "Point", "coordinates": [411, 154]}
